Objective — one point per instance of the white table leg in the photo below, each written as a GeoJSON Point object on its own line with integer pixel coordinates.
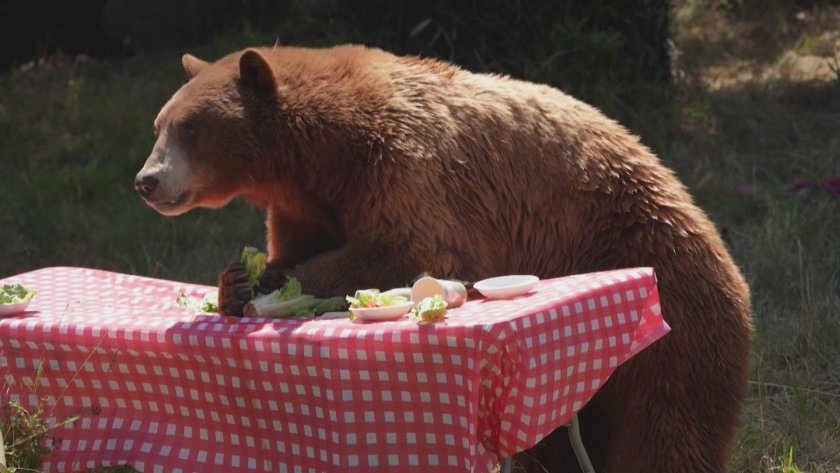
{"type": "Point", "coordinates": [577, 445]}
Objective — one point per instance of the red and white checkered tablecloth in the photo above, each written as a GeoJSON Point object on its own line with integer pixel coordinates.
{"type": "Point", "coordinates": [183, 392]}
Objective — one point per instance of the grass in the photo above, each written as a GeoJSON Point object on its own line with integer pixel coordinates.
{"type": "Point", "coordinates": [746, 119]}
{"type": "Point", "coordinates": [28, 436]}
{"type": "Point", "coordinates": [74, 136]}
{"type": "Point", "coordinates": [750, 123]}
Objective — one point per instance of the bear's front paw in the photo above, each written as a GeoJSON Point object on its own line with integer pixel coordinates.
{"type": "Point", "coordinates": [234, 290]}
{"type": "Point", "coordinates": [271, 279]}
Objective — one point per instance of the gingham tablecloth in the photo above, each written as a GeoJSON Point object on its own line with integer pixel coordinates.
{"type": "Point", "coordinates": [176, 391]}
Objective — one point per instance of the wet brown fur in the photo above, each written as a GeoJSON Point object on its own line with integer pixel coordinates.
{"type": "Point", "coordinates": [373, 168]}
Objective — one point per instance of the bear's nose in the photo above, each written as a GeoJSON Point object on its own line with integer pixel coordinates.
{"type": "Point", "coordinates": [145, 184]}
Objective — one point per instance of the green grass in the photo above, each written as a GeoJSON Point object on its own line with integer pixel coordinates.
{"type": "Point", "coordinates": [73, 133]}
{"type": "Point", "coordinates": [769, 133]}
{"type": "Point", "coordinates": [29, 435]}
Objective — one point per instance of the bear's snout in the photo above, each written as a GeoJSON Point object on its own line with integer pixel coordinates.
{"type": "Point", "coordinates": [145, 184]}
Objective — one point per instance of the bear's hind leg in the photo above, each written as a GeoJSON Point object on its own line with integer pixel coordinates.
{"type": "Point", "coordinates": [657, 426]}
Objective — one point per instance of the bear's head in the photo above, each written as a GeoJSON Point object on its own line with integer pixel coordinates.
{"type": "Point", "coordinates": [210, 135]}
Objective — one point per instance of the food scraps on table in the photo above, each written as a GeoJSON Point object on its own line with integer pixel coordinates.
{"type": "Point", "coordinates": [209, 303]}
{"type": "Point", "coordinates": [429, 310]}
{"type": "Point", "coordinates": [288, 301]}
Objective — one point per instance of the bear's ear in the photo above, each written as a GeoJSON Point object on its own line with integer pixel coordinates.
{"type": "Point", "coordinates": [255, 73]}
{"type": "Point", "coordinates": [192, 65]}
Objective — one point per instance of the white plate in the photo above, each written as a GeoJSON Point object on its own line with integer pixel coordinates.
{"type": "Point", "coordinates": [505, 287]}
{"type": "Point", "coordinates": [9, 309]}
{"type": "Point", "coordinates": [390, 312]}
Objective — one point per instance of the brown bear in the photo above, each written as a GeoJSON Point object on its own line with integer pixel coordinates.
{"type": "Point", "coordinates": [373, 168]}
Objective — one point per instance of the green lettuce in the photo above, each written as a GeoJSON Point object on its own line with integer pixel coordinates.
{"type": "Point", "coordinates": [303, 306]}
{"type": "Point", "coordinates": [255, 262]}
{"type": "Point", "coordinates": [290, 290]}
{"type": "Point", "coordinates": [288, 301]}
{"type": "Point", "coordinates": [333, 304]}
{"type": "Point", "coordinates": [210, 302]}
{"type": "Point", "coordinates": [429, 310]}
{"type": "Point", "coordinates": [15, 294]}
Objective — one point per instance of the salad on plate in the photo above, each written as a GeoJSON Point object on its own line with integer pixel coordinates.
{"type": "Point", "coordinates": [14, 298]}
{"type": "Point", "coordinates": [370, 304]}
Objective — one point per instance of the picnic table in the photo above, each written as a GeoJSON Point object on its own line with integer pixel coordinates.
{"type": "Point", "coordinates": [165, 389]}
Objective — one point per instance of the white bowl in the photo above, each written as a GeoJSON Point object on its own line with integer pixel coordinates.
{"type": "Point", "coordinates": [390, 312]}
{"type": "Point", "coordinates": [505, 287]}
{"type": "Point", "coordinates": [10, 309]}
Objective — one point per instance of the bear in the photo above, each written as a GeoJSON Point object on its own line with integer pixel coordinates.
{"type": "Point", "coordinates": [374, 167]}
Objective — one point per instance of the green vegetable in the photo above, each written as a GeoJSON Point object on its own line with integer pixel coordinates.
{"type": "Point", "coordinates": [273, 305]}
{"type": "Point", "coordinates": [15, 294]}
{"type": "Point", "coordinates": [305, 306]}
{"type": "Point", "coordinates": [333, 304]}
{"type": "Point", "coordinates": [291, 289]}
{"type": "Point", "coordinates": [254, 262]}
{"type": "Point", "coordinates": [210, 302]}
{"type": "Point", "coordinates": [367, 298]}
{"type": "Point", "coordinates": [429, 310]}
{"type": "Point", "coordinates": [288, 301]}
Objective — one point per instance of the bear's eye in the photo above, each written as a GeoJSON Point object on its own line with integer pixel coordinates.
{"type": "Point", "coordinates": [156, 130]}
{"type": "Point", "coordinates": [189, 130]}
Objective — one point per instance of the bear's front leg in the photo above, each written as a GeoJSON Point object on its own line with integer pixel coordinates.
{"type": "Point", "coordinates": [234, 290]}
{"type": "Point", "coordinates": [356, 265]}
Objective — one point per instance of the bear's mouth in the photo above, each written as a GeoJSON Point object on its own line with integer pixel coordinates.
{"type": "Point", "coordinates": [171, 207]}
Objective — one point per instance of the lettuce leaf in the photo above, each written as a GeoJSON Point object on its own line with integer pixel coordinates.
{"type": "Point", "coordinates": [429, 310]}
{"type": "Point", "coordinates": [210, 302]}
{"type": "Point", "coordinates": [15, 294]}
{"type": "Point", "coordinates": [255, 262]}
{"type": "Point", "coordinates": [333, 304]}
{"type": "Point", "coordinates": [290, 290]}
{"type": "Point", "coordinates": [288, 301]}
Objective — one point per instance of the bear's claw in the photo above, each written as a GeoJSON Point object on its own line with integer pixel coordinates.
{"type": "Point", "coordinates": [234, 290]}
